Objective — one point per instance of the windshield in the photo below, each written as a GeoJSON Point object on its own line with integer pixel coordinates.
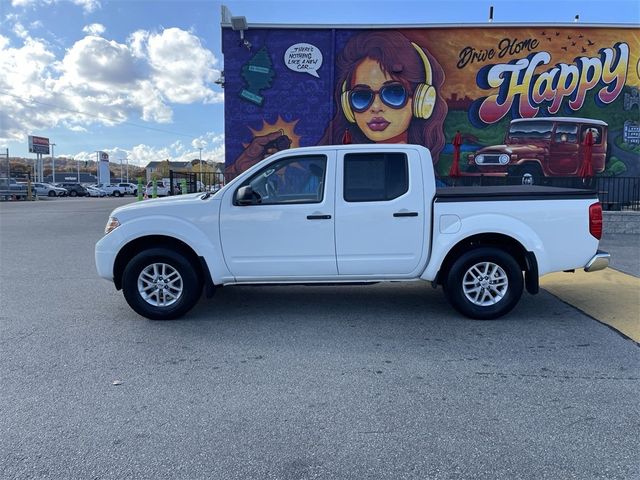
{"type": "Point", "coordinates": [530, 130]}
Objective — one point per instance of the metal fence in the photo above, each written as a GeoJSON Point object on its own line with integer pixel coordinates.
{"type": "Point", "coordinates": [195, 182]}
{"type": "Point", "coordinates": [615, 193]}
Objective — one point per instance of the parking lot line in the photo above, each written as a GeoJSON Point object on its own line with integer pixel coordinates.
{"type": "Point", "coordinates": [609, 296]}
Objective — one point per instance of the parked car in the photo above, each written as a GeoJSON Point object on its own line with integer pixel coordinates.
{"type": "Point", "coordinates": [46, 189]}
{"type": "Point", "coordinates": [128, 188]}
{"type": "Point", "coordinates": [535, 148]}
{"type": "Point", "coordinates": [74, 189]}
{"type": "Point", "coordinates": [9, 187]}
{"type": "Point", "coordinates": [95, 192]}
{"type": "Point", "coordinates": [350, 213]}
{"type": "Point", "coordinates": [162, 188]}
{"type": "Point", "coordinates": [111, 189]}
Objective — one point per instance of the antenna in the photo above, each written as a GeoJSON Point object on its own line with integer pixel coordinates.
{"type": "Point", "coordinates": [491, 14]}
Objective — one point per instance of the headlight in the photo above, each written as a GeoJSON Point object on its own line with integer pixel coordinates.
{"type": "Point", "coordinates": [503, 159]}
{"type": "Point", "coordinates": [112, 224]}
{"type": "Point", "coordinates": [479, 159]}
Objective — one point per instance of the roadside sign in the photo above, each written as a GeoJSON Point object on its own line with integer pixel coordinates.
{"type": "Point", "coordinates": [38, 145]}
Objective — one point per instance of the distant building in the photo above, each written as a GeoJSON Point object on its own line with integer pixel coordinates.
{"type": "Point", "coordinates": [71, 177]}
{"type": "Point", "coordinates": [160, 169]}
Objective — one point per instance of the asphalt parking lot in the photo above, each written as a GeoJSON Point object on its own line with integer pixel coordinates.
{"type": "Point", "coordinates": [382, 381]}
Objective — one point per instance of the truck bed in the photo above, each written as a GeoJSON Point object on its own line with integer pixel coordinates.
{"type": "Point", "coordinates": [510, 193]}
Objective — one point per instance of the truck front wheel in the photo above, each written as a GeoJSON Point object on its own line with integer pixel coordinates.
{"type": "Point", "coordinates": [484, 283]}
{"type": "Point", "coordinates": [161, 284]}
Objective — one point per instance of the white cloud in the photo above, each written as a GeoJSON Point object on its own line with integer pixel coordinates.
{"type": "Point", "coordinates": [142, 154]}
{"type": "Point", "coordinates": [94, 60]}
{"type": "Point", "coordinates": [94, 29]}
{"type": "Point", "coordinates": [182, 77]}
{"type": "Point", "coordinates": [110, 82]}
{"type": "Point", "coordinates": [88, 6]}
{"type": "Point", "coordinates": [20, 31]}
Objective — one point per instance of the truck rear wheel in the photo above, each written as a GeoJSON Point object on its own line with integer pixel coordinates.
{"type": "Point", "coordinates": [161, 284]}
{"type": "Point", "coordinates": [484, 283]}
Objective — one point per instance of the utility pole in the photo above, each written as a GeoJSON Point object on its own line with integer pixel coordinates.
{"type": "Point", "coordinates": [127, 160]}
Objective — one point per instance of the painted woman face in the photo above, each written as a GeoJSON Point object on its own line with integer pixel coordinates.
{"type": "Point", "coordinates": [380, 104]}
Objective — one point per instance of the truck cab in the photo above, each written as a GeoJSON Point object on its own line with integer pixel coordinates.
{"type": "Point", "coordinates": [535, 148]}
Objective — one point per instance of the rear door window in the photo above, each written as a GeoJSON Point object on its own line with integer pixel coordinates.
{"type": "Point", "coordinates": [375, 177]}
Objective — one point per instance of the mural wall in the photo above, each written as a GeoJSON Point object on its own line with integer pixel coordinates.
{"type": "Point", "coordinates": [521, 98]}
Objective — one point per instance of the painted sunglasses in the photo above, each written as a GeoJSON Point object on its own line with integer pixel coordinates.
{"type": "Point", "coordinates": [393, 95]}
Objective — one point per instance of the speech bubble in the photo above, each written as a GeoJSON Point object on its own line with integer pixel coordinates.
{"type": "Point", "coordinates": [303, 58]}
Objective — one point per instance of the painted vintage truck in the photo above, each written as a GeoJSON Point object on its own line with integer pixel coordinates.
{"type": "Point", "coordinates": [349, 214]}
{"type": "Point", "coordinates": [535, 148]}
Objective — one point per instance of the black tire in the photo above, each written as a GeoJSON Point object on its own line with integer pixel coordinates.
{"type": "Point", "coordinates": [531, 175]}
{"type": "Point", "coordinates": [116, 193]}
{"type": "Point", "coordinates": [191, 284]}
{"type": "Point", "coordinates": [73, 193]}
{"type": "Point", "coordinates": [51, 193]}
{"type": "Point", "coordinates": [461, 271]}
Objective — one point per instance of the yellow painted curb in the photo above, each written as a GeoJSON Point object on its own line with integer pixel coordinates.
{"type": "Point", "coordinates": [609, 296]}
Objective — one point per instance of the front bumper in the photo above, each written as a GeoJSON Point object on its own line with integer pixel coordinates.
{"type": "Point", "coordinates": [599, 261]}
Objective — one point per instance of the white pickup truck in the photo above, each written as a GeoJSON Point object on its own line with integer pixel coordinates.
{"type": "Point", "coordinates": [349, 214]}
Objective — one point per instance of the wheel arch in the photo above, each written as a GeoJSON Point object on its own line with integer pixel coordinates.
{"type": "Point", "coordinates": [526, 259]}
{"type": "Point", "coordinates": [131, 249]}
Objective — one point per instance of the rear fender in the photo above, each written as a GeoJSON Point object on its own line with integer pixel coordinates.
{"type": "Point", "coordinates": [476, 225]}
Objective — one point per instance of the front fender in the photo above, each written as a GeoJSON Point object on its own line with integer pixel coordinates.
{"type": "Point", "coordinates": [477, 224]}
{"type": "Point", "coordinates": [165, 225]}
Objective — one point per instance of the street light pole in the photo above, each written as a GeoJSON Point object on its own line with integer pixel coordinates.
{"type": "Point", "coordinates": [127, 160]}
{"type": "Point", "coordinates": [53, 163]}
{"type": "Point", "coordinates": [200, 157]}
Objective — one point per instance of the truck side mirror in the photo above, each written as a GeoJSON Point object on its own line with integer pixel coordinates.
{"type": "Point", "coordinates": [246, 196]}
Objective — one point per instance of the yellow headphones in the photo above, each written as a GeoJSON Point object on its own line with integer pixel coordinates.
{"type": "Point", "coordinates": [424, 96]}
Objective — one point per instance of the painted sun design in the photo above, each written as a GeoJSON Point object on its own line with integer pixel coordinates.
{"type": "Point", "coordinates": [287, 128]}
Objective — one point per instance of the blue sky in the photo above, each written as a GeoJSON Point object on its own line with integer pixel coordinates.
{"type": "Point", "coordinates": [136, 78]}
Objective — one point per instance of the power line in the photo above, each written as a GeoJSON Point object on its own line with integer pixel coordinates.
{"type": "Point", "coordinates": [100, 117]}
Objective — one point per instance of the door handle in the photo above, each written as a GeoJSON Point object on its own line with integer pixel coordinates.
{"type": "Point", "coordinates": [318, 217]}
{"type": "Point", "coordinates": [405, 214]}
